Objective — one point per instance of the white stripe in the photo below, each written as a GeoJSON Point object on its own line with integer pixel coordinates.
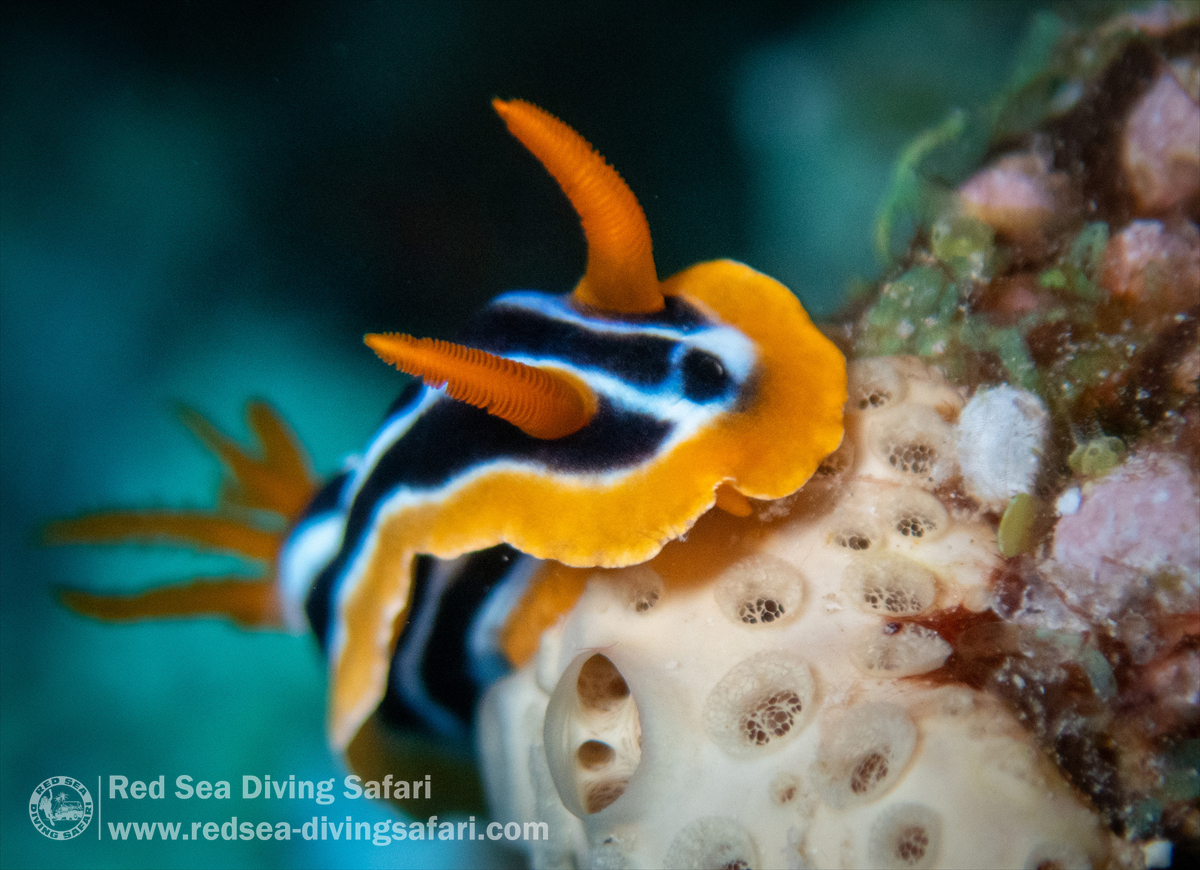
{"type": "Point", "coordinates": [406, 677]}
{"type": "Point", "coordinates": [483, 639]}
{"type": "Point", "coordinates": [309, 548]}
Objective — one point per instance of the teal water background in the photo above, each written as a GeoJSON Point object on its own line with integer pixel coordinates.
{"type": "Point", "coordinates": [204, 202]}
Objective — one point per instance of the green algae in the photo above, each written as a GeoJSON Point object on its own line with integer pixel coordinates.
{"type": "Point", "coordinates": [922, 186]}
{"type": "Point", "coordinates": [965, 245]}
{"type": "Point", "coordinates": [1015, 535]}
{"type": "Point", "coordinates": [913, 312]}
{"type": "Point", "coordinates": [1078, 273]}
{"type": "Point", "coordinates": [1097, 457]}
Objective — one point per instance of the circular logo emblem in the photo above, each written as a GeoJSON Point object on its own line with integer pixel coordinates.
{"type": "Point", "coordinates": [61, 808]}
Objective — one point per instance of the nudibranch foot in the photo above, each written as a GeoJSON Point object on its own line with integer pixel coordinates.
{"type": "Point", "coordinates": [260, 498]}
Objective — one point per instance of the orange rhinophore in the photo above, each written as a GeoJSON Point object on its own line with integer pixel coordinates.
{"type": "Point", "coordinates": [620, 274]}
{"type": "Point", "coordinates": [540, 402]}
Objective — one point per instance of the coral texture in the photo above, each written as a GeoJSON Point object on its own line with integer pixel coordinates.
{"type": "Point", "coordinates": [759, 710]}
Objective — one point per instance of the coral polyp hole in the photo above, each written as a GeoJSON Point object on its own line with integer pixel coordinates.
{"type": "Point", "coordinates": [760, 590]}
{"type": "Point", "coordinates": [863, 754]}
{"type": "Point", "coordinates": [602, 794]}
{"type": "Point", "coordinates": [772, 717]}
{"type": "Point", "coordinates": [912, 441]}
{"type": "Point", "coordinates": [639, 587]}
{"type": "Point", "coordinates": [594, 755]}
{"type": "Point", "coordinates": [890, 585]}
{"type": "Point", "coordinates": [712, 842]}
{"type": "Point", "coordinates": [906, 836]}
{"type": "Point", "coordinates": [913, 457]}
{"type": "Point", "coordinates": [916, 514]}
{"type": "Point", "coordinates": [761, 610]}
{"type": "Point", "coordinates": [868, 773]}
{"type": "Point", "coordinates": [837, 461]}
{"type": "Point", "coordinates": [873, 384]}
{"type": "Point", "coordinates": [600, 684]}
{"type": "Point", "coordinates": [853, 540]}
{"type": "Point", "coordinates": [760, 704]}
{"type": "Point", "coordinates": [911, 650]}
{"type": "Point", "coordinates": [592, 735]}
{"type": "Point", "coordinates": [911, 844]}
{"type": "Point", "coordinates": [645, 601]}
{"type": "Point", "coordinates": [914, 526]}
{"type": "Point", "coordinates": [784, 789]}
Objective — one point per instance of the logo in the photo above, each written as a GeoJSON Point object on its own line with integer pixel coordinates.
{"type": "Point", "coordinates": [61, 808]}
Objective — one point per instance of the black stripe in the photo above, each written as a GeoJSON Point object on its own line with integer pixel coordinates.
{"type": "Point", "coordinates": [326, 498]}
{"type": "Point", "coordinates": [319, 604]}
{"type": "Point", "coordinates": [452, 437]}
{"type": "Point", "coordinates": [446, 667]}
{"type": "Point", "coordinates": [644, 360]}
{"type": "Point", "coordinates": [393, 708]}
{"type": "Point", "coordinates": [445, 662]}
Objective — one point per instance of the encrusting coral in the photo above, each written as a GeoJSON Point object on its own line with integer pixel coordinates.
{"type": "Point", "coordinates": [973, 640]}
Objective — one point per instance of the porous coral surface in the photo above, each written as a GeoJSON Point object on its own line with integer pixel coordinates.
{"type": "Point", "coordinates": [766, 708]}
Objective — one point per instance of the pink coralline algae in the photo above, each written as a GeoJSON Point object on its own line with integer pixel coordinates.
{"type": "Point", "coordinates": [1149, 263]}
{"type": "Point", "coordinates": [1160, 155]}
{"type": "Point", "coordinates": [1018, 195]}
{"type": "Point", "coordinates": [1141, 520]}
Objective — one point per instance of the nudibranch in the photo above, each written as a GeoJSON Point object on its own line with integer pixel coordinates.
{"type": "Point", "coordinates": [588, 429]}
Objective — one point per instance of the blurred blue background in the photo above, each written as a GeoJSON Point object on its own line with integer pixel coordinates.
{"type": "Point", "coordinates": [208, 201]}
